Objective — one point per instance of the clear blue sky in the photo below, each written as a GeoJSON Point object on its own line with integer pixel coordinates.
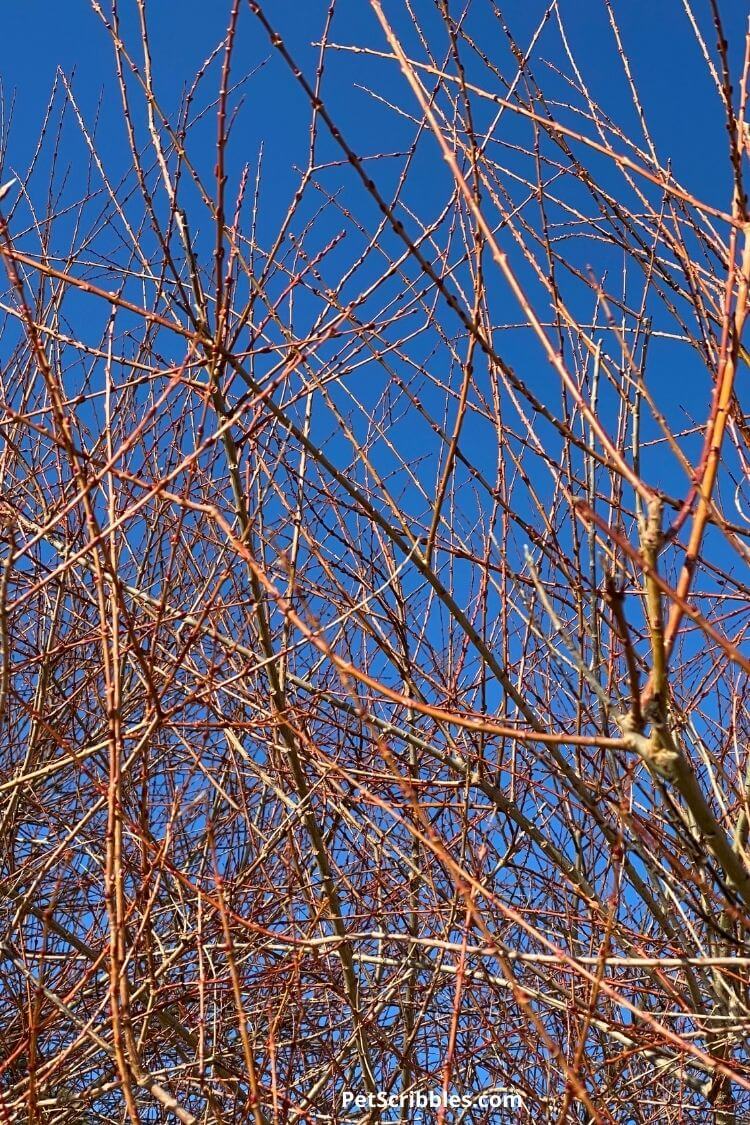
{"type": "Point", "coordinates": [681, 105]}
{"type": "Point", "coordinates": [38, 36]}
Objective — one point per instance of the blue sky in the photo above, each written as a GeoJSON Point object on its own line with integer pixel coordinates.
{"type": "Point", "coordinates": [39, 36]}
{"type": "Point", "coordinates": [682, 107]}
{"type": "Point", "coordinates": [685, 117]}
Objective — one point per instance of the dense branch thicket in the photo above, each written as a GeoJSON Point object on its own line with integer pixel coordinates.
{"type": "Point", "coordinates": [373, 558]}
